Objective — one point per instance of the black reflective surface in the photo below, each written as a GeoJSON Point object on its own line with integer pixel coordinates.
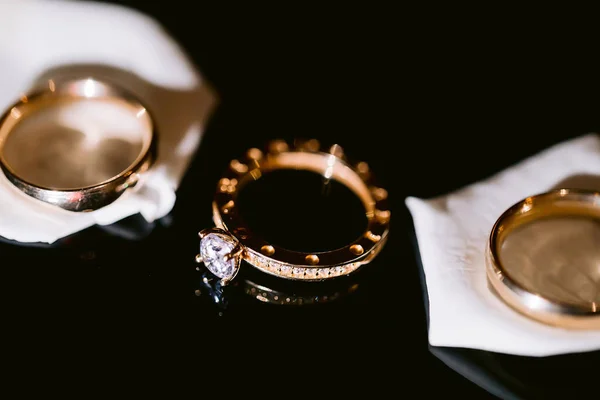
{"type": "Point", "coordinates": [432, 104]}
{"type": "Point", "coordinates": [302, 211]}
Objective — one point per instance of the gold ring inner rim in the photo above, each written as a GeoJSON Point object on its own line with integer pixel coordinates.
{"type": "Point", "coordinates": [326, 165]}
{"type": "Point", "coordinates": [556, 203]}
{"type": "Point", "coordinates": [83, 90]}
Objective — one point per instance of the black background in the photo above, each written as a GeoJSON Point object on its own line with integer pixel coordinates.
{"type": "Point", "coordinates": [433, 98]}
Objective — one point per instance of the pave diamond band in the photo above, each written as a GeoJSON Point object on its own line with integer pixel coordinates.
{"type": "Point", "coordinates": [242, 243]}
{"type": "Point", "coordinates": [299, 272]}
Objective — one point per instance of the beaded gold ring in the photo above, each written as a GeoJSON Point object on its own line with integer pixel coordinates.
{"type": "Point", "coordinates": [223, 247]}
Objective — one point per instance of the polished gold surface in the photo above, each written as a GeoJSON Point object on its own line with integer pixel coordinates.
{"type": "Point", "coordinates": [331, 163]}
{"type": "Point", "coordinates": [70, 144]}
{"type": "Point", "coordinates": [78, 144]}
{"type": "Point", "coordinates": [544, 258]}
{"type": "Point", "coordinates": [268, 250]}
{"type": "Point", "coordinates": [357, 249]}
{"type": "Point", "coordinates": [558, 257]}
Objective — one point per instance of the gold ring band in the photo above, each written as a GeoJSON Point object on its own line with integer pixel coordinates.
{"type": "Point", "coordinates": [96, 194]}
{"type": "Point", "coordinates": [535, 303]}
{"type": "Point", "coordinates": [240, 243]}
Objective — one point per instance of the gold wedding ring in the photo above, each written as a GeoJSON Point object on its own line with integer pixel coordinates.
{"type": "Point", "coordinates": [77, 144]}
{"type": "Point", "coordinates": [224, 247]}
{"type": "Point", "coordinates": [543, 258]}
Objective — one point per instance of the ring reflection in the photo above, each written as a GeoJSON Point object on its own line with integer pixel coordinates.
{"type": "Point", "coordinates": [262, 289]}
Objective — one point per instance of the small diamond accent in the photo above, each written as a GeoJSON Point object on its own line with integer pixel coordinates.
{"type": "Point", "coordinates": [324, 273]}
{"type": "Point", "coordinates": [275, 266]}
{"type": "Point", "coordinates": [213, 248]}
{"type": "Point", "coordinates": [298, 272]}
{"type": "Point", "coordinates": [311, 273]}
{"type": "Point", "coordinates": [286, 270]}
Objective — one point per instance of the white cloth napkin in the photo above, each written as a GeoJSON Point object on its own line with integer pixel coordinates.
{"type": "Point", "coordinates": [43, 39]}
{"type": "Point", "coordinates": [452, 231]}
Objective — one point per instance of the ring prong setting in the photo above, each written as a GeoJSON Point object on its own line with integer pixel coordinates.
{"type": "Point", "coordinates": [236, 252]}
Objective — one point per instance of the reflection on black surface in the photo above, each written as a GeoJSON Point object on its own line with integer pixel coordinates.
{"type": "Point", "coordinates": [210, 286]}
{"type": "Point", "coordinates": [275, 296]}
{"type": "Point", "coordinates": [251, 284]}
{"type": "Point", "coordinates": [516, 377]}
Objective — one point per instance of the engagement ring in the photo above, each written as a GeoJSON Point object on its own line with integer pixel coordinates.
{"type": "Point", "coordinates": [223, 247]}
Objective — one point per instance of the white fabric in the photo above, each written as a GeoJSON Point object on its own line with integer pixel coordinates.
{"type": "Point", "coordinates": [39, 39]}
{"type": "Point", "coordinates": [452, 231]}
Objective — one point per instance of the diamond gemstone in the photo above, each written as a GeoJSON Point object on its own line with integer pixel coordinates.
{"type": "Point", "coordinates": [213, 248]}
{"type": "Point", "coordinates": [286, 270]}
{"type": "Point", "coordinates": [310, 273]}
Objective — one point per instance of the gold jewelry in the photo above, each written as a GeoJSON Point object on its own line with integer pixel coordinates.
{"type": "Point", "coordinates": [82, 168]}
{"type": "Point", "coordinates": [222, 248]}
{"type": "Point", "coordinates": [562, 293]}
